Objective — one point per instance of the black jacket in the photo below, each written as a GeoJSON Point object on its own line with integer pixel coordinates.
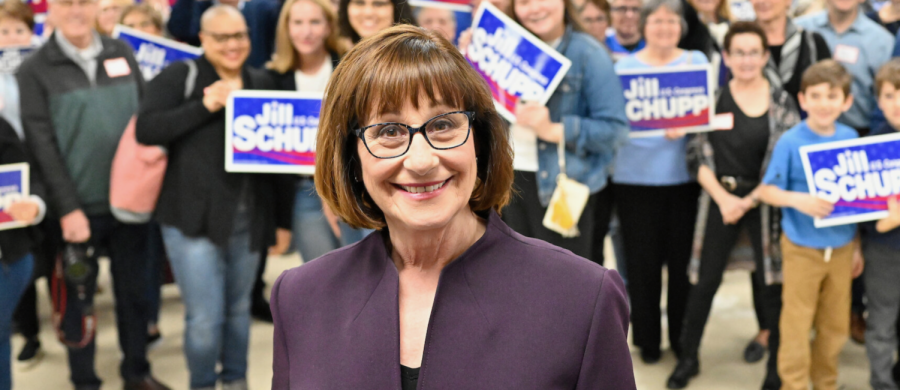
{"type": "Point", "coordinates": [73, 126]}
{"type": "Point", "coordinates": [286, 81]}
{"type": "Point", "coordinates": [198, 197]}
{"type": "Point", "coordinates": [16, 243]}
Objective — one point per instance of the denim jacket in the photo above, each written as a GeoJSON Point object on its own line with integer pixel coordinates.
{"type": "Point", "coordinates": [590, 105]}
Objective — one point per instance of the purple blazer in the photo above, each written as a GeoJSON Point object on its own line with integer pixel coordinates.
{"type": "Point", "coordinates": [510, 313]}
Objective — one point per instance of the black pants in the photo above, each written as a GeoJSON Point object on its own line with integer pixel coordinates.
{"type": "Point", "coordinates": [657, 228]}
{"type": "Point", "coordinates": [525, 215]}
{"type": "Point", "coordinates": [127, 246]}
{"type": "Point", "coordinates": [603, 210]}
{"type": "Point", "coordinates": [718, 242]}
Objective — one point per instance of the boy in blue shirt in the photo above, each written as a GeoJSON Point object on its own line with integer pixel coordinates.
{"type": "Point", "coordinates": [881, 247]}
{"type": "Point", "coordinates": [819, 263]}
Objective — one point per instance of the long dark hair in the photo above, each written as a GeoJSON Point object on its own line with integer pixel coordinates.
{"type": "Point", "coordinates": [402, 15]}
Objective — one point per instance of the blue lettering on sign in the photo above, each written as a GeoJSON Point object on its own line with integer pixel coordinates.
{"type": "Point", "coordinates": [153, 54]}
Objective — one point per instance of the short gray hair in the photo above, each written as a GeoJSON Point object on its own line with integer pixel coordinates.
{"type": "Point", "coordinates": [651, 6]}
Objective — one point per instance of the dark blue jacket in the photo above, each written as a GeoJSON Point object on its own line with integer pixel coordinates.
{"type": "Point", "coordinates": [261, 16]}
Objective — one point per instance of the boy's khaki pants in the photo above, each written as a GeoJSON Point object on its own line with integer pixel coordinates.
{"type": "Point", "coordinates": [816, 295]}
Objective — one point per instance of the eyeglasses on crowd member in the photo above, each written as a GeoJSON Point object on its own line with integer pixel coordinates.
{"type": "Point", "coordinates": [143, 17]}
{"type": "Point", "coordinates": [308, 47]}
{"type": "Point", "coordinates": [261, 19]}
{"type": "Point", "coordinates": [360, 19]}
{"type": "Point", "coordinates": [655, 196]}
{"type": "Point", "coordinates": [595, 18]}
{"type": "Point", "coordinates": [214, 223]}
{"type": "Point", "coordinates": [624, 19]}
{"type": "Point", "coordinates": [728, 165]}
{"type": "Point", "coordinates": [430, 165]}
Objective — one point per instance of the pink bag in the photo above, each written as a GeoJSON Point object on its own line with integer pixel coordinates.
{"type": "Point", "coordinates": [136, 178]}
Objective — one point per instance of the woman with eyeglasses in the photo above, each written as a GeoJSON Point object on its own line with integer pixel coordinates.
{"type": "Point", "coordinates": [586, 114]}
{"type": "Point", "coordinates": [729, 165]}
{"type": "Point", "coordinates": [655, 196]}
{"type": "Point", "coordinates": [595, 18]}
{"type": "Point", "coordinates": [444, 295]}
{"type": "Point", "coordinates": [214, 224]}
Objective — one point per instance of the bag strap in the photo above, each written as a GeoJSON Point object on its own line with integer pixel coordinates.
{"type": "Point", "coordinates": [561, 152]}
{"type": "Point", "coordinates": [191, 79]}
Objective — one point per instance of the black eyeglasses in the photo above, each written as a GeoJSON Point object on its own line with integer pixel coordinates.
{"type": "Point", "coordinates": [390, 140]}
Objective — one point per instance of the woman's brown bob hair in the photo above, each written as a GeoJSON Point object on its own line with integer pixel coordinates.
{"type": "Point", "coordinates": [381, 75]}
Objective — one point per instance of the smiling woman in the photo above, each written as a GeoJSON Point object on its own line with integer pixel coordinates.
{"type": "Point", "coordinates": [507, 304]}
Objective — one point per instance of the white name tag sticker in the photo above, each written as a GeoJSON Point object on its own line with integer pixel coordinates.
{"type": "Point", "coordinates": [723, 121]}
{"type": "Point", "coordinates": [117, 67]}
{"type": "Point", "coordinates": [846, 54]}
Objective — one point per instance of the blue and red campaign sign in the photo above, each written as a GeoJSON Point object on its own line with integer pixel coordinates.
{"type": "Point", "coordinates": [13, 187]}
{"type": "Point", "coordinates": [515, 64]}
{"type": "Point", "coordinates": [668, 98]}
{"type": "Point", "coordinates": [155, 53]}
{"type": "Point", "coordinates": [455, 5]}
{"type": "Point", "coordinates": [858, 176]}
{"type": "Point", "coordinates": [272, 131]}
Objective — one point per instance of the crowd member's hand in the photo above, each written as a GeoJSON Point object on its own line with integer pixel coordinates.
{"type": "Point", "coordinates": [859, 262]}
{"type": "Point", "coordinates": [733, 208]}
{"type": "Point", "coordinates": [465, 38]}
{"type": "Point", "coordinates": [282, 242]}
{"type": "Point", "coordinates": [537, 117]}
{"type": "Point", "coordinates": [673, 134]}
{"type": "Point", "coordinates": [215, 96]}
{"type": "Point", "coordinates": [812, 206]}
{"type": "Point", "coordinates": [24, 211]}
{"type": "Point", "coordinates": [332, 220]}
{"type": "Point", "coordinates": [892, 221]}
{"type": "Point", "coordinates": [76, 227]}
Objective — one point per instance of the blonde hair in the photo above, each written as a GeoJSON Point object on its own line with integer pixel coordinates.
{"type": "Point", "coordinates": [285, 58]}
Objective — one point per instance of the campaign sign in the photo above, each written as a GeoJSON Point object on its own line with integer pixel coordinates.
{"type": "Point", "coordinates": [455, 5]}
{"type": "Point", "coordinates": [515, 64]}
{"type": "Point", "coordinates": [154, 53]}
{"type": "Point", "coordinates": [272, 131]}
{"type": "Point", "coordinates": [668, 98]}
{"type": "Point", "coordinates": [13, 187]}
{"type": "Point", "coordinates": [12, 57]}
{"type": "Point", "coordinates": [858, 176]}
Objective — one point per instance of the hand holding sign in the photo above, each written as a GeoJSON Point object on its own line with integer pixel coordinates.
{"type": "Point", "coordinates": [215, 96]}
{"type": "Point", "coordinates": [892, 221]}
{"type": "Point", "coordinates": [24, 211]}
{"type": "Point", "coordinates": [537, 118]}
{"type": "Point", "coordinates": [812, 206]}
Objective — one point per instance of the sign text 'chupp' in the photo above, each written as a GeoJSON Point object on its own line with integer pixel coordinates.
{"type": "Point", "coordinates": [494, 55]}
{"type": "Point", "coordinates": [857, 178]}
{"type": "Point", "coordinates": [275, 129]}
{"type": "Point", "coordinates": [646, 101]}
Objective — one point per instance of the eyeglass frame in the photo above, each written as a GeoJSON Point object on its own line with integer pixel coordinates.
{"type": "Point", "coordinates": [360, 132]}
